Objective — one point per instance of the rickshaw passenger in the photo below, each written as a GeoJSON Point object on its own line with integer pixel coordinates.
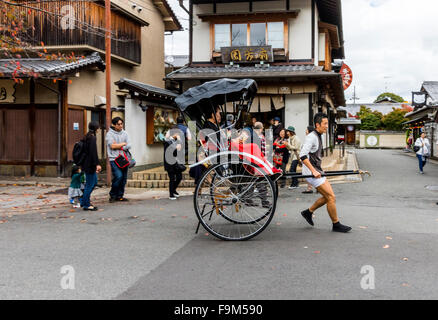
{"type": "Point", "coordinates": [242, 144]}
{"type": "Point", "coordinates": [210, 126]}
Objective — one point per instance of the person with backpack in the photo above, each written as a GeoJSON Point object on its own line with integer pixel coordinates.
{"type": "Point", "coordinates": [118, 145]}
{"type": "Point", "coordinates": [89, 162]}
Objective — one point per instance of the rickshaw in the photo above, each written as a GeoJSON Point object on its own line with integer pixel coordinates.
{"type": "Point", "coordinates": [236, 197]}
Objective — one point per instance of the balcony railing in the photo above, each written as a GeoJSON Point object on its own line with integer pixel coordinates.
{"type": "Point", "coordinates": [70, 24]}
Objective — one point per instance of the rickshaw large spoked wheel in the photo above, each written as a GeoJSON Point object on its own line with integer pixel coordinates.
{"type": "Point", "coordinates": [234, 203]}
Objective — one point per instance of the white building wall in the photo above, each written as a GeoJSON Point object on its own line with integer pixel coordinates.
{"type": "Point", "coordinates": [321, 50]}
{"type": "Point", "coordinates": [300, 30]}
{"type": "Point", "coordinates": [297, 113]}
{"type": "Point", "coordinates": [201, 34]}
{"type": "Point", "coordinates": [135, 125]}
{"type": "Point", "coordinates": [316, 35]}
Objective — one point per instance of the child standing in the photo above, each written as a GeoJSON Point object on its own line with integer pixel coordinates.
{"type": "Point", "coordinates": [74, 192]}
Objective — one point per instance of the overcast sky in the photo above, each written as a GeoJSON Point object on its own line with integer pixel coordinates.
{"type": "Point", "coordinates": [390, 44]}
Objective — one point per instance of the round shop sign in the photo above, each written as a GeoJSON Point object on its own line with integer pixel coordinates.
{"type": "Point", "coordinates": [372, 141]}
{"type": "Point", "coordinates": [350, 128]}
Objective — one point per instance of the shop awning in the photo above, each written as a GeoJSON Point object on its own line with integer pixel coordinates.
{"type": "Point", "coordinates": [286, 73]}
{"type": "Point", "coordinates": [51, 69]}
{"type": "Point", "coordinates": [425, 114]}
{"type": "Point", "coordinates": [252, 72]}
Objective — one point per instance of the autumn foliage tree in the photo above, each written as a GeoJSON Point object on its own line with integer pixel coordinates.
{"type": "Point", "coordinates": [394, 120]}
{"type": "Point", "coordinates": [16, 39]}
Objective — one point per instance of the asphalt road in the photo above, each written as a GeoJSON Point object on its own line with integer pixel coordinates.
{"type": "Point", "coordinates": [148, 249]}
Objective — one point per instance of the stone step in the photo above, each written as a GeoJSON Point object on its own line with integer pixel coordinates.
{"type": "Point", "coordinates": [155, 184]}
{"type": "Point", "coordinates": [161, 175]}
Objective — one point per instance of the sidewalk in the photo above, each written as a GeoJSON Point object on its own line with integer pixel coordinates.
{"type": "Point", "coordinates": [29, 196]}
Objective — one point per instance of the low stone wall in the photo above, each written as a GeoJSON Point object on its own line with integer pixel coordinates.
{"type": "Point", "coordinates": [382, 140]}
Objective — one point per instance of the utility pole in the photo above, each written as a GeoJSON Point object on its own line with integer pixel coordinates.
{"type": "Point", "coordinates": [354, 97]}
{"type": "Point", "coordinates": [108, 78]}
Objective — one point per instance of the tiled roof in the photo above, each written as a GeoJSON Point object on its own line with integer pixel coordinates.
{"type": "Point", "coordinates": [49, 68]}
{"type": "Point", "coordinates": [145, 89]}
{"type": "Point", "coordinates": [431, 88]}
{"type": "Point", "coordinates": [287, 71]}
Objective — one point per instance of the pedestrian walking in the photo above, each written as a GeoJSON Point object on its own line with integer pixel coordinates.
{"type": "Point", "coordinates": [294, 146]}
{"type": "Point", "coordinates": [309, 190]}
{"type": "Point", "coordinates": [310, 155]}
{"type": "Point", "coordinates": [409, 141]}
{"type": "Point", "coordinates": [422, 149]}
{"type": "Point", "coordinates": [173, 144]}
{"type": "Point", "coordinates": [281, 153]}
{"type": "Point", "coordinates": [90, 166]}
{"type": "Point", "coordinates": [118, 145]}
{"type": "Point", "coordinates": [74, 191]}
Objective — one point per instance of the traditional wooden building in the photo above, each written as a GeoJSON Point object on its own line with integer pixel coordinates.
{"type": "Point", "coordinates": [287, 46]}
{"type": "Point", "coordinates": [425, 113]}
{"type": "Point", "coordinates": [43, 117]}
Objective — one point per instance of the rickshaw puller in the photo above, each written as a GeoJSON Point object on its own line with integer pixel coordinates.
{"type": "Point", "coordinates": [311, 158]}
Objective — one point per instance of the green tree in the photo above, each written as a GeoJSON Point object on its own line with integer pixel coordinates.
{"type": "Point", "coordinates": [394, 120]}
{"type": "Point", "coordinates": [371, 120]}
{"type": "Point", "coordinates": [390, 95]}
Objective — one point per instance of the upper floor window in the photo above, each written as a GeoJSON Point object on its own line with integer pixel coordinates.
{"type": "Point", "coordinates": [249, 34]}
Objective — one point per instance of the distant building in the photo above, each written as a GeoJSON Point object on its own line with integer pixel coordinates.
{"type": "Point", "coordinates": [425, 115]}
{"type": "Point", "coordinates": [352, 110]}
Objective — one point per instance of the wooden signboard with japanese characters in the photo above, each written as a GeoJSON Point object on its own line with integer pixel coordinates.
{"type": "Point", "coordinates": [7, 91]}
{"type": "Point", "coordinates": [247, 54]}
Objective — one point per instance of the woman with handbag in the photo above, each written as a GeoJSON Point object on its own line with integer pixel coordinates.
{"type": "Point", "coordinates": [172, 164]}
{"type": "Point", "coordinates": [90, 166]}
{"type": "Point", "coordinates": [422, 149]}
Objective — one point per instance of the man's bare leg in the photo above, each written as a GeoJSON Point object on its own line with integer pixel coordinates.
{"type": "Point", "coordinates": [328, 194]}
{"type": "Point", "coordinates": [328, 198]}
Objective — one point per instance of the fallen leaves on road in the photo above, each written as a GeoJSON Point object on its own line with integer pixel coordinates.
{"type": "Point", "coordinates": [317, 252]}
{"type": "Point", "coordinates": [385, 246]}
{"type": "Point", "coordinates": [41, 197]}
{"type": "Point", "coordinates": [388, 238]}
{"type": "Point", "coordinates": [405, 259]}
{"type": "Point", "coordinates": [3, 221]}
{"type": "Point", "coordinates": [72, 210]}
{"type": "Point", "coordinates": [362, 227]}
{"type": "Point", "coordinates": [83, 220]}
{"type": "Point", "coordinates": [278, 223]}
{"type": "Point", "coordinates": [405, 285]}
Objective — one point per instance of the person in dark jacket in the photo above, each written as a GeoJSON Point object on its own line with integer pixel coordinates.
{"type": "Point", "coordinates": [277, 127]}
{"type": "Point", "coordinates": [173, 144]}
{"type": "Point", "coordinates": [90, 166]}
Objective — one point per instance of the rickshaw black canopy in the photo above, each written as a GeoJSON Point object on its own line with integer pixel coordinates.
{"type": "Point", "coordinates": [217, 92]}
